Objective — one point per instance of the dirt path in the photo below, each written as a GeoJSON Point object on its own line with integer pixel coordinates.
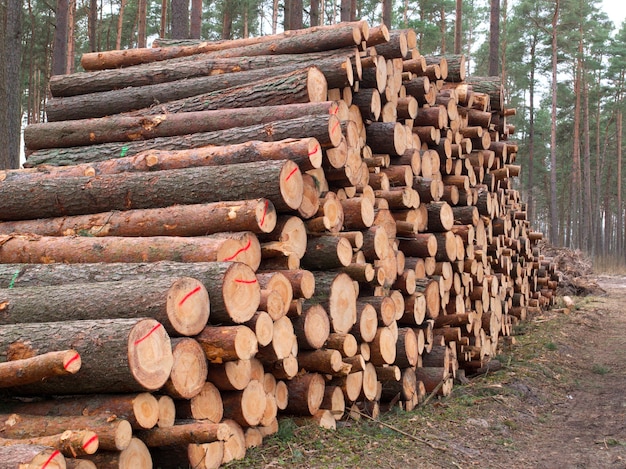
{"type": "Point", "coordinates": [561, 403]}
{"type": "Point", "coordinates": [587, 427]}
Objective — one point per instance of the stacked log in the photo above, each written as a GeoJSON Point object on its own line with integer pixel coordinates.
{"type": "Point", "coordinates": [315, 239]}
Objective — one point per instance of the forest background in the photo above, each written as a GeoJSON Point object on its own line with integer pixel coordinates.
{"type": "Point", "coordinates": [563, 64]}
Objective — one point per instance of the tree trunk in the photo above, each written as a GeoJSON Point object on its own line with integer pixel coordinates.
{"type": "Point", "coordinates": [494, 38]}
{"type": "Point", "coordinates": [315, 12]}
{"type": "Point", "coordinates": [227, 343]}
{"type": "Point", "coordinates": [312, 327]}
{"type": "Point", "coordinates": [114, 354]}
{"type": "Point", "coordinates": [306, 393]}
{"type": "Point", "coordinates": [140, 410]}
{"type": "Point", "coordinates": [387, 11]}
{"type": "Point", "coordinates": [142, 12]}
{"type": "Point", "coordinates": [295, 14]}
{"type": "Point", "coordinates": [184, 434]}
{"type": "Point", "coordinates": [120, 23]}
{"type": "Point", "coordinates": [180, 19]}
{"type": "Point", "coordinates": [10, 95]}
{"type": "Point", "coordinates": [280, 180]}
{"type": "Point", "coordinates": [184, 68]}
{"type": "Point", "coordinates": [196, 20]}
{"type": "Point", "coordinates": [257, 216]}
{"type": "Point", "coordinates": [232, 286]}
{"type": "Point", "coordinates": [59, 57]}
{"type": "Point", "coordinates": [327, 129]}
{"type": "Point", "coordinates": [114, 434]}
{"type": "Point", "coordinates": [38, 368]}
{"type": "Point", "coordinates": [554, 232]}
{"type": "Point", "coordinates": [198, 94]}
{"type": "Point", "coordinates": [311, 40]}
{"type": "Point", "coordinates": [180, 304]}
{"type": "Point", "coordinates": [71, 133]}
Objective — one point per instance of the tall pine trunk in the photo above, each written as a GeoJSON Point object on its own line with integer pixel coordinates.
{"type": "Point", "coordinates": [120, 25]}
{"type": "Point", "coordinates": [142, 12]}
{"type": "Point", "coordinates": [494, 38]}
{"type": "Point", "coordinates": [10, 60]}
{"type": "Point", "coordinates": [180, 19]}
{"type": "Point", "coordinates": [59, 49]}
{"type": "Point", "coordinates": [554, 232]}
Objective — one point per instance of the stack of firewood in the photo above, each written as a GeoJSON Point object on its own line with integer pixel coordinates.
{"type": "Point", "coordinates": [315, 223]}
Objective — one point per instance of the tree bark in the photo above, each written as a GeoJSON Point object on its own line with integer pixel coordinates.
{"type": "Point", "coordinates": [180, 304]}
{"type": "Point", "coordinates": [227, 343]}
{"type": "Point", "coordinates": [38, 368]}
{"type": "Point", "coordinates": [306, 393]}
{"type": "Point", "coordinates": [327, 129]}
{"type": "Point", "coordinates": [494, 38]}
{"type": "Point", "coordinates": [70, 443]}
{"type": "Point", "coordinates": [176, 220]}
{"type": "Point", "coordinates": [232, 286]}
{"type": "Point", "coordinates": [201, 65]}
{"type": "Point", "coordinates": [195, 30]}
{"type": "Point", "coordinates": [113, 354]}
{"type": "Point", "coordinates": [241, 247]}
{"type": "Point", "coordinates": [311, 40]}
{"type": "Point", "coordinates": [114, 434]}
{"type": "Point", "coordinates": [140, 410]}
{"type": "Point", "coordinates": [180, 19]}
{"type": "Point", "coordinates": [280, 181]}
{"type": "Point", "coordinates": [184, 433]}
{"type": "Point", "coordinates": [85, 132]}
{"type": "Point", "coordinates": [198, 94]}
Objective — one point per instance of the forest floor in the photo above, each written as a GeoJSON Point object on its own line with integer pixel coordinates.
{"type": "Point", "coordinates": [559, 402]}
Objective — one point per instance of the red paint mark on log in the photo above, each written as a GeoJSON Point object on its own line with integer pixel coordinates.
{"type": "Point", "coordinates": [315, 150]}
{"type": "Point", "coordinates": [138, 341]}
{"type": "Point", "coordinates": [244, 249]}
{"type": "Point", "coordinates": [73, 359]}
{"type": "Point", "coordinates": [239, 280]}
{"type": "Point", "coordinates": [293, 171]}
{"type": "Point", "coordinates": [264, 213]}
{"type": "Point", "coordinates": [92, 440]}
{"type": "Point", "coordinates": [52, 456]}
{"type": "Point", "coordinates": [186, 297]}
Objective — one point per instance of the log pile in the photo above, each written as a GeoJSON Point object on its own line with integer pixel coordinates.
{"type": "Point", "coordinates": [318, 223]}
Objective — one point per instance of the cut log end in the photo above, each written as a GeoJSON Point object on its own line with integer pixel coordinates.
{"type": "Point", "coordinates": [317, 86]}
{"type": "Point", "coordinates": [241, 292]}
{"type": "Point", "coordinates": [291, 185]}
{"type": "Point", "coordinates": [71, 361]}
{"type": "Point", "coordinates": [265, 215]}
{"type": "Point", "coordinates": [150, 354]}
{"type": "Point", "coordinates": [188, 306]}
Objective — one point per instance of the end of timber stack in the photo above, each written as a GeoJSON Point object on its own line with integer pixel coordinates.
{"type": "Point", "coordinates": [212, 235]}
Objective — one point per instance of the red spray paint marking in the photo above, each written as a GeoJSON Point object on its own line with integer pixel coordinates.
{"type": "Point", "coordinates": [245, 281]}
{"type": "Point", "coordinates": [264, 212]}
{"type": "Point", "coordinates": [52, 456]}
{"type": "Point", "coordinates": [240, 251]}
{"type": "Point", "coordinates": [334, 110]}
{"type": "Point", "coordinates": [74, 358]}
{"type": "Point", "coordinates": [335, 127]}
{"type": "Point", "coordinates": [293, 171]}
{"type": "Point", "coordinates": [186, 297]}
{"type": "Point", "coordinates": [315, 150]}
{"type": "Point", "coordinates": [138, 341]}
{"type": "Point", "coordinates": [93, 439]}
